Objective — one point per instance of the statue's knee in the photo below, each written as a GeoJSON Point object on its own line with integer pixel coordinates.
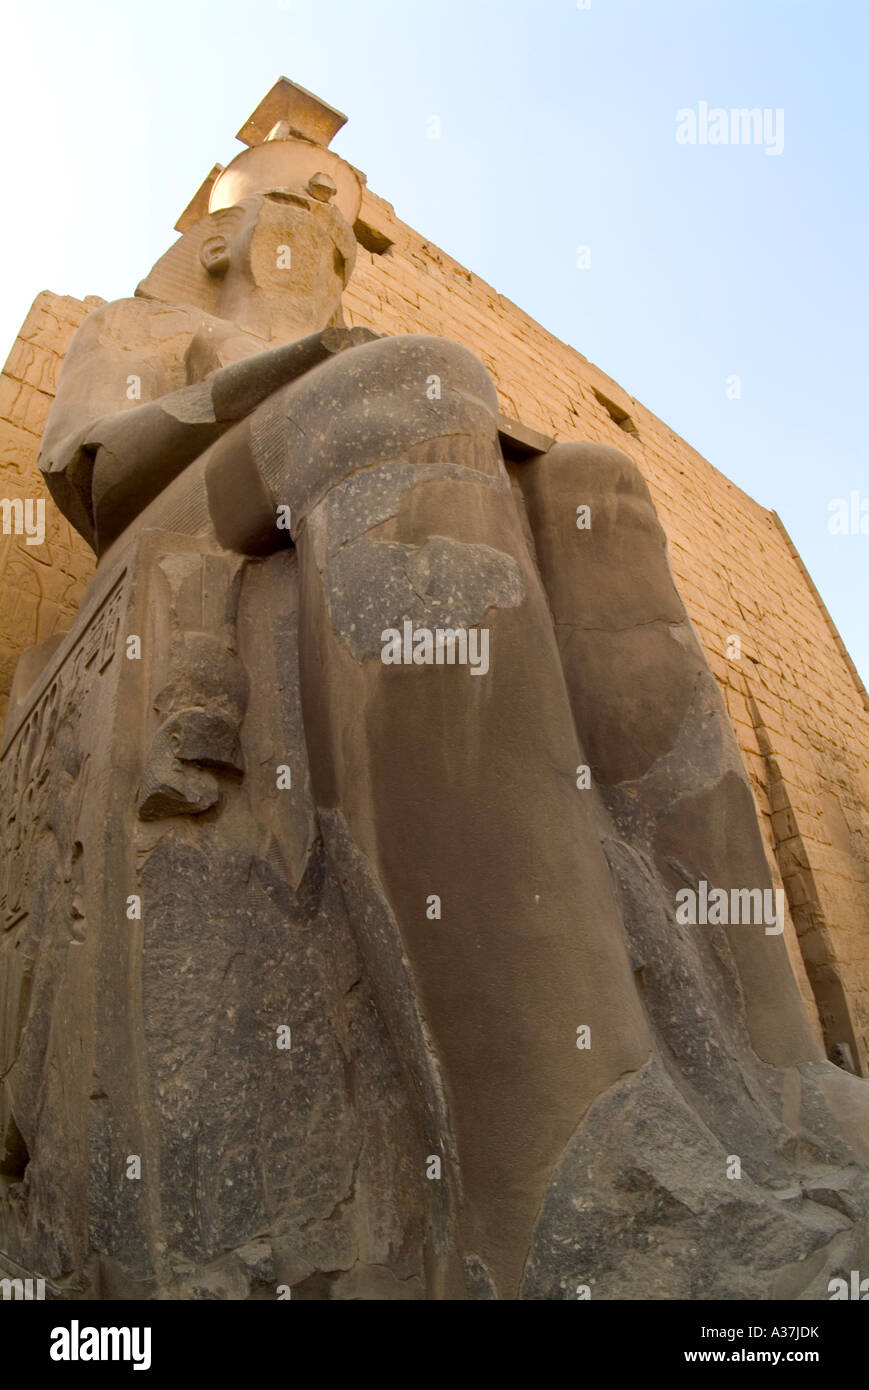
{"type": "Point", "coordinates": [394, 398]}
{"type": "Point", "coordinates": [388, 399]}
{"type": "Point", "coordinates": [435, 382]}
{"type": "Point", "coordinates": [602, 469]}
{"type": "Point", "coordinates": [599, 478]}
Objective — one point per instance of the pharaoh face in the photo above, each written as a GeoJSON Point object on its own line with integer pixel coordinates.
{"type": "Point", "coordinates": [283, 260]}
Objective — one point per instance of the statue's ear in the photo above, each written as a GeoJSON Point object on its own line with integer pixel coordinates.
{"type": "Point", "coordinates": [214, 255]}
{"type": "Point", "coordinates": [183, 275]}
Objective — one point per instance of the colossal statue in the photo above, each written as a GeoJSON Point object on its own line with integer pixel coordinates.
{"type": "Point", "coordinates": [353, 834]}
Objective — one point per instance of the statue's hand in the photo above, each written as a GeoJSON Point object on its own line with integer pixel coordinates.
{"type": "Point", "coordinates": [218, 345]}
{"type": "Point", "coordinates": [67, 467]}
{"type": "Point", "coordinates": [57, 458]}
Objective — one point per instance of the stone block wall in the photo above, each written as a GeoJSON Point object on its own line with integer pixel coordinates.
{"type": "Point", "coordinates": [41, 586]}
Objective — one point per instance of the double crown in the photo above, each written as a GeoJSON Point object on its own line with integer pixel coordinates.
{"type": "Point", "coordinates": [287, 139]}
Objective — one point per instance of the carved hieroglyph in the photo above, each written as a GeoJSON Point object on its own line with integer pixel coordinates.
{"type": "Point", "coordinates": [349, 832]}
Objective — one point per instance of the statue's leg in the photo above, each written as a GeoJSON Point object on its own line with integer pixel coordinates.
{"type": "Point", "coordinates": [448, 794]}
{"type": "Point", "coordinates": [649, 713]}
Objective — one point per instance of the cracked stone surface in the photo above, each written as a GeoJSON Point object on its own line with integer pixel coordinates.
{"type": "Point", "coordinates": [443, 583]}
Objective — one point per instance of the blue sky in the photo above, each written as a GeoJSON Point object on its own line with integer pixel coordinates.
{"type": "Point", "coordinates": [557, 130]}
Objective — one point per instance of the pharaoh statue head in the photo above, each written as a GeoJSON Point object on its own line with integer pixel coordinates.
{"type": "Point", "coordinates": [267, 242]}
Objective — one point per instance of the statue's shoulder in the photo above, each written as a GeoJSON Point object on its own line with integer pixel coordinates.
{"type": "Point", "coordinates": [138, 337]}
{"type": "Point", "coordinates": [139, 322]}
{"type": "Point", "coordinates": [125, 351]}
